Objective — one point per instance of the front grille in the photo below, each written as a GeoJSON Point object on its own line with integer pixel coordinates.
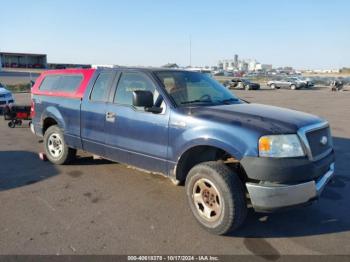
{"type": "Point", "coordinates": [314, 138]}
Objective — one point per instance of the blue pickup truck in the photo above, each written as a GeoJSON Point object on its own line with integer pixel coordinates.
{"type": "Point", "coordinates": [230, 154]}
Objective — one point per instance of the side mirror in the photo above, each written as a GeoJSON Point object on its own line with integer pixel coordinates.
{"type": "Point", "coordinates": [142, 98]}
{"type": "Point", "coordinates": [154, 109]}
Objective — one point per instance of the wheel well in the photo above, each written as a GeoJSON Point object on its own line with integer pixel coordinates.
{"type": "Point", "coordinates": [47, 123]}
{"type": "Point", "coordinates": [200, 154]}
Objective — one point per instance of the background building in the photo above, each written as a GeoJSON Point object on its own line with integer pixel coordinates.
{"type": "Point", "coordinates": [23, 60]}
{"type": "Point", "coordinates": [236, 60]}
{"type": "Point", "coordinates": [246, 65]}
{"type": "Point", "coordinates": [227, 64]}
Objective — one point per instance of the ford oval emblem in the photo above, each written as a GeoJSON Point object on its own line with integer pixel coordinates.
{"type": "Point", "coordinates": [324, 140]}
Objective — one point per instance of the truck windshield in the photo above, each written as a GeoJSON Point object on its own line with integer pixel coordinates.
{"type": "Point", "coordinates": [187, 88]}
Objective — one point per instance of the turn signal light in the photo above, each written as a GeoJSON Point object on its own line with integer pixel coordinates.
{"type": "Point", "coordinates": [264, 144]}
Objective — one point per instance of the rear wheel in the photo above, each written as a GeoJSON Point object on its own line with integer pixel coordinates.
{"type": "Point", "coordinates": [273, 86]}
{"type": "Point", "coordinates": [12, 124]}
{"type": "Point", "coordinates": [216, 197]}
{"type": "Point", "coordinates": [56, 149]}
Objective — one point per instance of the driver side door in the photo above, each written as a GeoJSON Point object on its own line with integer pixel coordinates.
{"type": "Point", "coordinates": [134, 136]}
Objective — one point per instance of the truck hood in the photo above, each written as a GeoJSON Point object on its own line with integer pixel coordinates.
{"type": "Point", "coordinates": [262, 118]}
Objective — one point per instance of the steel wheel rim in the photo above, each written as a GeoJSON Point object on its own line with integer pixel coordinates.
{"type": "Point", "coordinates": [55, 145]}
{"type": "Point", "coordinates": [207, 200]}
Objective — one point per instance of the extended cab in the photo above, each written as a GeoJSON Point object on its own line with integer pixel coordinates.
{"type": "Point", "coordinates": [229, 153]}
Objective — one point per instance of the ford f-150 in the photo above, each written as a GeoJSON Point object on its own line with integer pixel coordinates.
{"type": "Point", "coordinates": [230, 154]}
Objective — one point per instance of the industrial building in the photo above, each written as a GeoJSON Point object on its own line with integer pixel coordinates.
{"type": "Point", "coordinates": [23, 60]}
{"type": "Point", "coordinates": [242, 65]}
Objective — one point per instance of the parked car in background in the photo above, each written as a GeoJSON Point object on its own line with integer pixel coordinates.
{"type": "Point", "coordinates": [6, 97]}
{"type": "Point", "coordinates": [218, 73]}
{"type": "Point", "coordinates": [307, 81]}
{"type": "Point", "coordinates": [292, 83]}
{"type": "Point", "coordinates": [241, 83]}
{"type": "Point", "coordinates": [38, 66]}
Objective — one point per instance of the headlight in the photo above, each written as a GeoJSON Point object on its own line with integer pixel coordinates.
{"type": "Point", "coordinates": [280, 146]}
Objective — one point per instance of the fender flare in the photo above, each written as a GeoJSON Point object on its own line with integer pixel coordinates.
{"type": "Point", "coordinates": [54, 113]}
{"type": "Point", "coordinates": [230, 149]}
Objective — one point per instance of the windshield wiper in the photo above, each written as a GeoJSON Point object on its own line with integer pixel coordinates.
{"type": "Point", "coordinates": [224, 101]}
{"type": "Point", "coordinates": [227, 101]}
{"type": "Point", "coordinates": [196, 101]}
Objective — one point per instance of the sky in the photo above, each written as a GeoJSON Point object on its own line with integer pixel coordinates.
{"type": "Point", "coordinates": [305, 34]}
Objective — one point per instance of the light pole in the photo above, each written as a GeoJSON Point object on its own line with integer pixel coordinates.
{"type": "Point", "coordinates": [190, 51]}
{"type": "Point", "coordinates": [0, 60]}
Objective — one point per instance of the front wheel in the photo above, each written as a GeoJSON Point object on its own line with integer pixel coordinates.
{"type": "Point", "coordinates": [273, 86]}
{"type": "Point", "coordinates": [293, 87]}
{"type": "Point", "coordinates": [57, 151]}
{"type": "Point", "coordinates": [216, 197]}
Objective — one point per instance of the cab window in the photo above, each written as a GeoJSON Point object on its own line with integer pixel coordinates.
{"type": "Point", "coordinates": [130, 82]}
{"type": "Point", "coordinates": [100, 90]}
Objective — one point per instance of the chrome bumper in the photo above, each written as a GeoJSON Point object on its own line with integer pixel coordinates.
{"type": "Point", "coordinates": [274, 196]}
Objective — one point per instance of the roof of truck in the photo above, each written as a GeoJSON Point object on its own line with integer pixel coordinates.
{"type": "Point", "coordinates": [148, 69]}
{"type": "Point", "coordinates": [86, 74]}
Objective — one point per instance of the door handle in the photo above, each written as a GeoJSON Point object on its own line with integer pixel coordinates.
{"type": "Point", "coordinates": [110, 116]}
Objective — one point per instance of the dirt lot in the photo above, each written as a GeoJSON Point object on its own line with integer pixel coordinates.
{"type": "Point", "coordinates": [98, 207]}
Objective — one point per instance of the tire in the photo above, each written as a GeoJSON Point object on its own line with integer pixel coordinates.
{"type": "Point", "coordinates": [293, 87]}
{"type": "Point", "coordinates": [57, 151]}
{"type": "Point", "coordinates": [273, 86]}
{"type": "Point", "coordinates": [247, 87]}
{"type": "Point", "coordinates": [216, 197]}
{"type": "Point", "coordinates": [11, 124]}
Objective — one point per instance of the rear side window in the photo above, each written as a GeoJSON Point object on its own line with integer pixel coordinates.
{"type": "Point", "coordinates": [50, 83]}
{"type": "Point", "coordinates": [61, 83]}
{"type": "Point", "coordinates": [100, 91]}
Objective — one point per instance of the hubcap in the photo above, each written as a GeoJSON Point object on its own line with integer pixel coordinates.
{"type": "Point", "coordinates": [55, 146]}
{"type": "Point", "coordinates": [207, 200]}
